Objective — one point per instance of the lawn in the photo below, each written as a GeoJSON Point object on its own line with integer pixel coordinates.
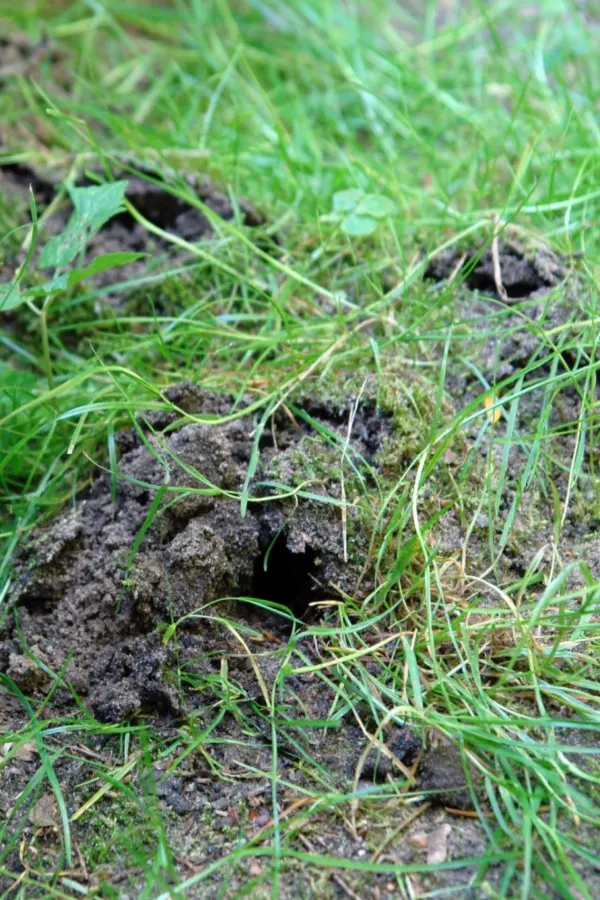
{"type": "Point", "coordinates": [299, 448]}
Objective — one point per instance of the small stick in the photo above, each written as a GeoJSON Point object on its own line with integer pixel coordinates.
{"type": "Point", "coordinates": [353, 411]}
{"type": "Point", "coordinates": [457, 268]}
{"type": "Point", "coordinates": [334, 877]}
{"type": "Point", "coordinates": [414, 815]}
{"type": "Point", "coordinates": [496, 264]}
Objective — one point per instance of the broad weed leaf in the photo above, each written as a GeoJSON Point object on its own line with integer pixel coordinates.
{"type": "Point", "coordinates": [93, 207]}
{"type": "Point", "coordinates": [101, 264]}
{"type": "Point", "coordinates": [76, 276]}
{"type": "Point", "coordinates": [358, 226]}
{"type": "Point", "coordinates": [10, 297]}
{"type": "Point", "coordinates": [63, 248]}
{"type": "Point", "coordinates": [346, 201]}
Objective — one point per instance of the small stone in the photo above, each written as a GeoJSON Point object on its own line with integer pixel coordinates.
{"type": "Point", "coordinates": [417, 839]}
{"type": "Point", "coordinates": [26, 673]}
{"type": "Point", "coordinates": [44, 814]}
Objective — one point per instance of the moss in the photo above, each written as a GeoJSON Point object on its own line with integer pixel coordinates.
{"type": "Point", "coordinates": [586, 505]}
{"type": "Point", "coordinates": [167, 297]}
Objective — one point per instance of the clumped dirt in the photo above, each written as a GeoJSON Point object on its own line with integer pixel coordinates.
{"type": "Point", "coordinates": [152, 198]}
{"type": "Point", "coordinates": [78, 609]}
{"type": "Point", "coordinates": [505, 337]}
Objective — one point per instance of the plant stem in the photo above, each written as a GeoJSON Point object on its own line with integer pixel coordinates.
{"type": "Point", "coordinates": [46, 345]}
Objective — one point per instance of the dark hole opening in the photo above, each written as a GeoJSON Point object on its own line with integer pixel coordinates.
{"type": "Point", "coordinates": [290, 578]}
{"type": "Point", "coordinates": [521, 286]}
{"type": "Point", "coordinates": [519, 277]}
{"type": "Point", "coordinates": [39, 604]}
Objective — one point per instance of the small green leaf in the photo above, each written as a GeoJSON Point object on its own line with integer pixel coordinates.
{"type": "Point", "coordinates": [76, 276]}
{"type": "Point", "coordinates": [170, 632]}
{"type": "Point", "coordinates": [59, 283]}
{"type": "Point", "coordinates": [376, 205]}
{"type": "Point", "coordinates": [101, 264]}
{"type": "Point", "coordinates": [358, 226]}
{"type": "Point", "coordinates": [10, 297]}
{"type": "Point", "coordinates": [63, 248]}
{"type": "Point", "coordinates": [346, 201]}
{"type": "Point", "coordinates": [93, 207]}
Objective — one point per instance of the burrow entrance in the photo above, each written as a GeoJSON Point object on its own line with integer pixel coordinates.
{"type": "Point", "coordinates": [287, 578]}
{"type": "Point", "coordinates": [521, 273]}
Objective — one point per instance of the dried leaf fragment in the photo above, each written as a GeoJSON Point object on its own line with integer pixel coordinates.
{"type": "Point", "coordinates": [492, 414]}
{"type": "Point", "coordinates": [26, 752]}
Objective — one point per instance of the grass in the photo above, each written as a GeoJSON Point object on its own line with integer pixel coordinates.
{"type": "Point", "coordinates": [470, 117]}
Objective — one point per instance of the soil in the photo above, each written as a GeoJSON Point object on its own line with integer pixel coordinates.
{"type": "Point", "coordinates": [71, 617]}
{"type": "Point", "coordinates": [87, 616]}
{"type": "Point", "coordinates": [505, 339]}
{"type": "Point", "coordinates": [69, 581]}
{"type": "Point", "coordinates": [505, 335]}
{"type": "Point", "coordinates": [20, 55]}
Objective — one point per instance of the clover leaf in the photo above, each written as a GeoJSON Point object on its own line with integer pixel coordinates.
{"type": "Point", "coordinates": [359, 213]}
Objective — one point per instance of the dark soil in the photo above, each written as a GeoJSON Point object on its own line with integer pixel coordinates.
{"type": "Point", "coordinates": [505, 339]}
{"type": "Point", "coordinates": [77, 609]}
{"type": "Point", "coordinates": [522, 272]}
{"type": "Point", "coordinates": [16, 179]}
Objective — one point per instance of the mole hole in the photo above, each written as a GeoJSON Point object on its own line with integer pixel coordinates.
{"type": "Point", "coordinates": [39, 604]}
{"type": "Point", "coordinates": [289, 579]}
{"type": "Point", "coordinates": [482, 281]}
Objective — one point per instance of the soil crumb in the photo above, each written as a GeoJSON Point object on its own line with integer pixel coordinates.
{"type": "Point", "coordinates": [441, 774]}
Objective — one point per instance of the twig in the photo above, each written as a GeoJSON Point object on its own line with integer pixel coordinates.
{"type": "Point", "coordinates": [457, 268]}
{"type": "Point", "coordinates": [496, 264]}
{"type": "Point", "coordinates": [294, 805]}
{"type": "Point", "coordinates": [334, 877]}
{"type": "Point", "coordinates": [392, 837]}
{"type": "Point", "coordinates": [353, 411]}
{"type": "Point", "coordinates": [81, 861]}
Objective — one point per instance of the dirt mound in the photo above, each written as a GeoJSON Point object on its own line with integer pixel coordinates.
{"type": "Point", "coordinates": [88, 607]}
{"type": "Point", "coordinates": [538, 291]}
{"type": "Point", "coordinates": [152, 199]}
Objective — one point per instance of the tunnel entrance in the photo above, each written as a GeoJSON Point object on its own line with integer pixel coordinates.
{"type": "Point", "coordinates": [290, 578]}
